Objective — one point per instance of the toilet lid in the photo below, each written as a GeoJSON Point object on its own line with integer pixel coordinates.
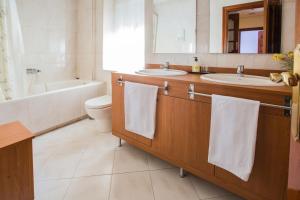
{"type": "Point", "coordinates": [99, 102]}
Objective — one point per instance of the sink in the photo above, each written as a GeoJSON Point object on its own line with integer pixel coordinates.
{"type": "Point", "coordinates": [240, 80]}
{"type": "Point", "coordinates": [161, 72]}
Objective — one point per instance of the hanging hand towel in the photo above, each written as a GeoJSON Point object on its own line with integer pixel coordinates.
{"type": "Point", "coordinates": [140, 108]}
{"type": "Point", "coordinates": [233, 134]}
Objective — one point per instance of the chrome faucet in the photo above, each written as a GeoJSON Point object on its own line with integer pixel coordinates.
{"type": "Point", "coordinates": [240, 70]}
{"type": "Point", "coordinates": [165, 66]}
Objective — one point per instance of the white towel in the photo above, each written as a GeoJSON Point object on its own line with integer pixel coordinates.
{"type": "Point", "coordinates": [140, 108]}
{"type": "Point", "coordinates": [233, 134]}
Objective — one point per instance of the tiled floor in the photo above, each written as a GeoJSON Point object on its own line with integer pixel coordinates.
{"type": "Point", "coordinates": [78, 162]}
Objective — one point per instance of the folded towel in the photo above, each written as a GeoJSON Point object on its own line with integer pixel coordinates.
{"type": "Point", "coordinates": [233, 134]}
{"type": "Point", "coordinates": [140, 108]}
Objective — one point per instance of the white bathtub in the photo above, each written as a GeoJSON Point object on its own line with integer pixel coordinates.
{"type": "Point", "coordinates": [51, 104]}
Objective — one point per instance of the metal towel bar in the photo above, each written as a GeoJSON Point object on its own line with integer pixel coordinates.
{"type": "Point", "coordinates": [192, 95]}
{"type": "Point", "coordinates": [165, 88]}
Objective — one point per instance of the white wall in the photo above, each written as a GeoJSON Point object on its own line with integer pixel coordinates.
{"type": "Point", "coordinates": [49, 31]}
{"type": "Point", "coordinates": [86, 39]}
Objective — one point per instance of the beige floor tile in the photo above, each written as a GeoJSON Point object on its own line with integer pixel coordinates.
{"type": "Point", "coordinates": [130, 160]}
{"type": "Point", "coordinates": [103, 142]}
{"type": "Point", "coordinates": [168, 185]}
{"type": "Point", "coordinates": [72, 147]}
{"type": "Point", "coordinates": [39, 162]}
{"type": "Point", "coordinates": [131, 186]}
{"type": "Point", "coordinates": [206, 190]}
{"type": "Point", "coordinates": [92, 127]}
{"type": "Point", "coordinates": [50, 190]}
{"type": "Point", "coordinates": [73, 134]}
{"type": "Point", "coordinates": [89, 188]}
{"type": "Point", "coordinates": [44, 147]}
{"type": "Point", "coordinates": [60, 166]}
{"type": "Point", "coordinates": [233, 197]}
{"type": "Point", "coordinates": [156, 163]}
{"type": "Point", "coordinates": [80, 150]}
{"type": "Point", "coordinates": [95, 163]}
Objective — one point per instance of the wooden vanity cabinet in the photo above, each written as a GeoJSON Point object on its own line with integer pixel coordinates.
{"type": "Point", "coordinates": [182, 127]}
{"type": "Point", "coordinates": [182, 138]}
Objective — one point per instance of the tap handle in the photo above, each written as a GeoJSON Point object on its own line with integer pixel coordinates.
{"type": "Point", "coordinates": [165, 65]}
{"type": "Point", "coordinates": [240, 69]}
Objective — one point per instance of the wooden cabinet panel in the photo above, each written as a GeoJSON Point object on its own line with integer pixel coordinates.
{"type": "Point", "coordinates": [269, 174]}
{"type": "Point", "coordinates": [16, 166]}
{"type": "Point", "coordinates": [118, 122]}
{"type": "Point", "coordinates": [183, 132]}
{"type": "Point", "coordinates": [163, 138]}
{"type": "Point", "coordinates": [16, 172]}
{"type": "Point", "coordinates": [191, 128]}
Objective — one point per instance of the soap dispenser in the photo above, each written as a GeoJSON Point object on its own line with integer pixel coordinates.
{"type": "Point", "coordinates": [196, 66]}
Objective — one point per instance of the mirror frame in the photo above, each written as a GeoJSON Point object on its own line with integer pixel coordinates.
{"type": "Point", "coordinates": [268, 48]}
{"type": "Point", "coordinates": [238, 7]}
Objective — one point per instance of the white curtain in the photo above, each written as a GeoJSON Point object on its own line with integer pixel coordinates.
{"type": "Point", "coordinates": [12, 72]}
{"type": "Point", "coordinates": [124, 35]}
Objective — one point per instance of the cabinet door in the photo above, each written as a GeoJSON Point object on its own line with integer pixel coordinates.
{"type": "Point", "coordinates": [118, 122]}
{"type": "Point", "coordinates": [183, 132]}
{"type": "Point", "coordinates": [268, 177]}
{"type": "Point", "coordinates": [191, 127]}
{"type": "Point", "coordinates": [163, 138]}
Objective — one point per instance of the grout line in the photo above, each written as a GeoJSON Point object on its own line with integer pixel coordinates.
{"type": "Point", "coordinates": [76, 168]}
{"type": "Point", "coordinates": [72, 178]}
{"type": "Point", "coordinates": [194, 187]}
{"type": "Point", "coordinates": [149, 174]}
{"type": "Point", "coordinates": [111, 177]}
{"type": "Point", "coordinates": [105, 174]}
{"type": "Point", "coordinates": [151, 182]}
{"type": "Point", "coordinates": [67, 190]}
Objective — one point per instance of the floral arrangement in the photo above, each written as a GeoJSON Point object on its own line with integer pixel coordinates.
{"type": "Point", "coordinates": [286, 59]}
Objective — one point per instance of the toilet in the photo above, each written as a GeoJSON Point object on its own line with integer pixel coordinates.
{"type": "Point", "coordinates": [100, 109]}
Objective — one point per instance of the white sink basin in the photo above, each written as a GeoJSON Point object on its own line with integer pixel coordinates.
{"type": "Point", "coordinates": [161, 72]}
{"type": "Point", "coordinates": [240, 80]}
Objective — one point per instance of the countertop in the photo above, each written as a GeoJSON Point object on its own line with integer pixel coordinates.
{"type": "Point", "coordinates": [195, 79]}
{"type": "Point", "coordinates": [13, 133]}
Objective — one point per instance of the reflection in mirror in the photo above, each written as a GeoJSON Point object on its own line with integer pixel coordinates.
{"type": "Point", "coordinates": [174, 26]}
{"type": "Point", "coordinates": [244, 26]}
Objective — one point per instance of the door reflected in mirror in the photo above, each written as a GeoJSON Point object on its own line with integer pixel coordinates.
{"type": "Point", "coordinates": [249, 27]}
{"type": "Point", "coordinates": [174, 26]}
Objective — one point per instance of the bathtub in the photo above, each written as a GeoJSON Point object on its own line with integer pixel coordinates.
{"type": "Point", "coordinates": [50, 105]}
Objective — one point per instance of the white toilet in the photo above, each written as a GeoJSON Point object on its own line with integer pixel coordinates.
{"type": "Point", "coordinates": [100, 109]}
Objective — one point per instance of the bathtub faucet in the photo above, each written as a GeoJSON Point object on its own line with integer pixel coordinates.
{"type": "Point", "coordinates": [32, 71]}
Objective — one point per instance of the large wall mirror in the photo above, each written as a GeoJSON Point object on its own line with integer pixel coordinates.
{"type": "Point", "coordinates": [174, 26]}
{"type": "Point", "coordinates": [245, 26]}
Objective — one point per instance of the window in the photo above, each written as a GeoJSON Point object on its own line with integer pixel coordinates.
{"type": "Point", "coordinates": [123, 35]}
{"type": "Point", "coordinates": [251, 41]}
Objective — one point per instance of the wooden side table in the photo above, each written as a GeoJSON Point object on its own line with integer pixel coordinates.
{"type": "Point", "coordinates": [16, 162]}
